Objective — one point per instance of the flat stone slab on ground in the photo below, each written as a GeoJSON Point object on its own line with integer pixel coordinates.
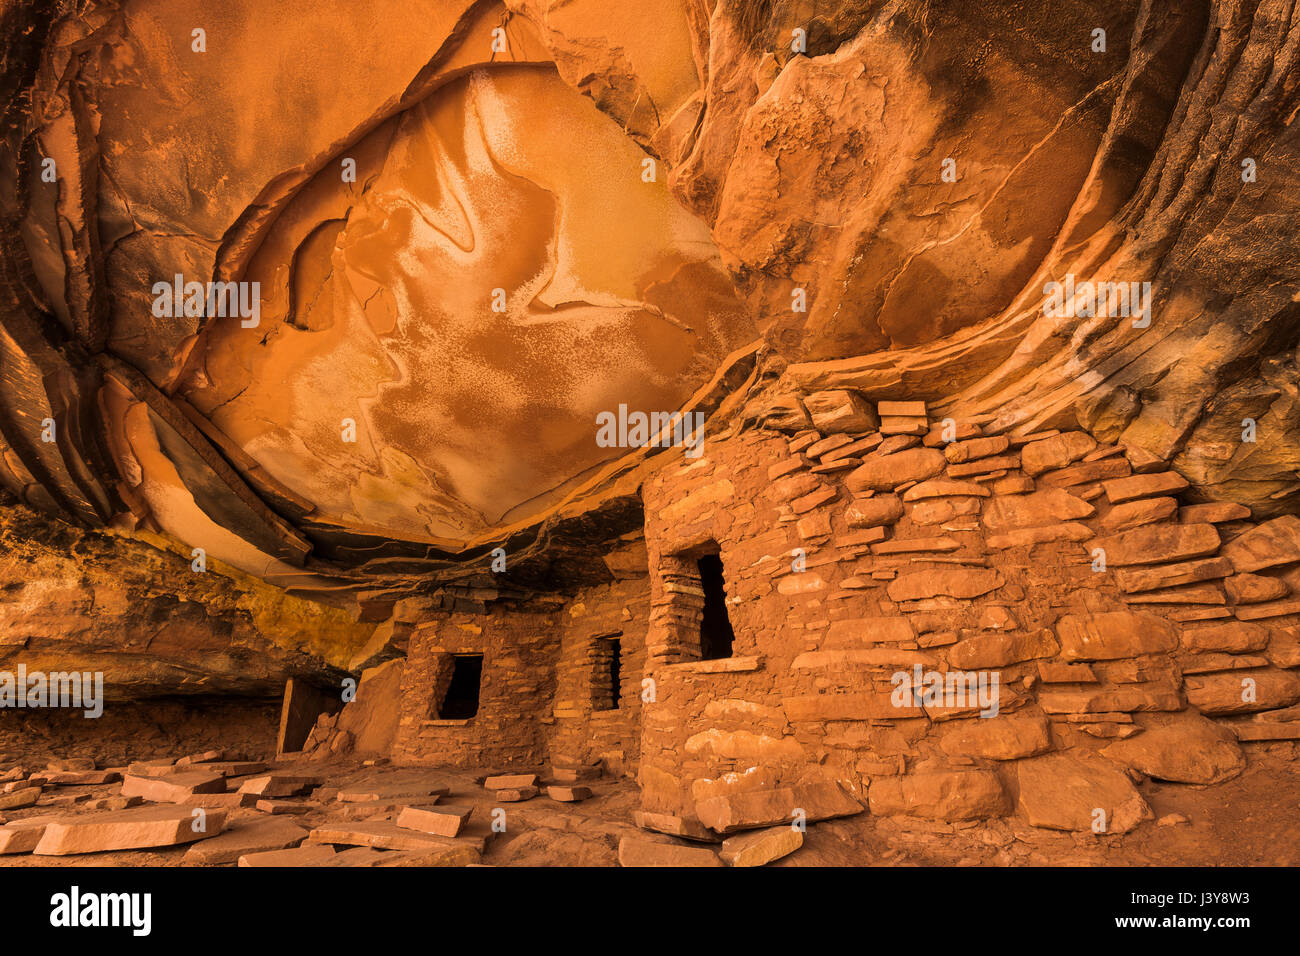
{"type": "Point", "coordinates": [135, 829]}
{"type": "Point", "coordinates": [358, 856]}
{"type": "Point", "coordinates": [18, 799]}
{"type": "Point", "coordinates": [373, 809]}
{"type": "Point", "coordinates": [388, 836]}
{"type": "Point", "coordinates": [1066, 791]}
{"type": "Point", "coordinates": [674, 826]}
{"type": "Point", "coordinates": [21, 836]}
{"type": "Point", "coordinates": [315, 854]}
{"type": "Point", "coordinates": [510, 781]}
{"type": "Point", "coordinates": [637, 851]}
{"type": "Point", "coordinates": [231, 768]}
{"type": "Point", "coordinates": [59, 800]}
{"type": "Point", "coordinates": [114, 803]}
{"type": "Point", "coordinates": [456, 855]}
{"type": "Point", "coordinates": [81, 778]}
{"type": "Point", "coordinates": [218, 801]}
{"type": "Point", "coordinates": [568, 794]}
{"type": "Point", "coordinates": [282, 807]}
{"type": "Point", "coordinates": [173, 787]}
{"type": "Point", "coordinates": [15, 840]}
{"type": "Point", "coordinates": [443, 821]}
{"type": "Point", "coordinates": [279, 784]}
{"type": "Point", "coordinates": [204, 757]}
{"type": "Point", "coordinates": [251, 835]}
{"type": "Point", "coordinates": [154, 768]}
{"type": "Point", "coordinates": [760, 847]}
{"type": "Point", "coordinates": [440, 856]}
{"type": "Point", "coordinates": [397, 790]}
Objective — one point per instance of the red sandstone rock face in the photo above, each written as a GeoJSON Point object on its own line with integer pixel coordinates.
{"type": "Point", "coordinates": [460, 260]}
{"type": "Point", "coordinates": [496, 266]}
{"type": "Point", "coordinates": [474, 235]}
{"type": "Point", "coordinates": [137, 613]}
{"type": "Point", "coordinates": [382, 302]}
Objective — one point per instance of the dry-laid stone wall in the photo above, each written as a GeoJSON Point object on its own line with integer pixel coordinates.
{"type": "Point", "coordinates": [545, 694]}
{"type": "Point", "coordinates": [881, 565]}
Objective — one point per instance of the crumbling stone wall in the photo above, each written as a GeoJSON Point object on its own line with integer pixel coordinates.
{"type": "Point", "coordinates": [1131, 630]}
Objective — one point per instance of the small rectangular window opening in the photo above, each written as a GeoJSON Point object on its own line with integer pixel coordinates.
{"type": "Point", "coordinates": [461, 700]}
{"type": "Point", "coordinates": [607, 673]}
{"type": "Point", "coordinates": [716, 635]}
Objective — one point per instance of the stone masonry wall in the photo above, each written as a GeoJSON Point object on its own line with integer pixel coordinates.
{"type": "Point", "coordinates": [577, 732]}
{"type": "Point", "coordinates": [518, 685]}
{"type": "Point", "coordinates": [537, 700]}
{"type": "Point", "coordinates": [1130, 631]}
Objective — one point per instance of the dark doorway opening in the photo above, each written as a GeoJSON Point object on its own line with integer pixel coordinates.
{"type": "Point", "coordinates": [716, 635]}
{"type": "Point", "coordinates": [461, 700]}
{"type": "Point", "coordinates": [607, 675]}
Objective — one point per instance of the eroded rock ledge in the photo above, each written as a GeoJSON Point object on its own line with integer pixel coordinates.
{"type": "Point", "coordinates": [89, 601]}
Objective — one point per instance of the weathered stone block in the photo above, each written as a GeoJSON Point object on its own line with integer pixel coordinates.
{"type": "Point", "coordinates": [762, 808]}
{"type": "Point", "coordinates": [1005, 737]}
{"type": "Point", "coordinates": [1136, 580]}
{"type": "Point", "coordinates": [887, 472]}
{"type": "Point", "coordinates": [986, 651]}
{"type": "Point", "coordinates": [963, 583]}
{"type": "Point", "coordinates": [1119, 490]}
{"type": "Point", "coordinates": [242, 837]}
{"type": "Point", "coordinates": [1070, 791]}
{"type": "Point", "coordinates": [440, 821]}
{"type": "Point", "coordinates": [840, 410]}
{"type": "Point", "coordinates": [873, 512]}
{"type": "Point", "coordinates": [760, 847]}
{"type": "Point", "coordinates": [1055, 452]}
{"type": "Point", "coordinates": [944, 795]}
{"type": "Point", "coordinates": [1242, 692]}
{"type": "Point", "coordinates": [1160, 544]}
{"type": "Point", "coordinates": [173, 787]}
{"type": "Point", "coordinates": [634, 851]}
{"type": "Point", "coordinates": [1270, 544]}
{"type": "Point", "coordinates": [312, 855]}
{"type": "Point", "coordinates": [138, 828]}
{"type": "Point", "coordinates": [1114, 634]}
{"type": "Point", "coordinates": [1182, 747]}
{"type": "Point", "coordinates": [1037, 509]}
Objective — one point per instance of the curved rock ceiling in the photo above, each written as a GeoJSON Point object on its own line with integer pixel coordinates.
{"type": "Point", "coordinates": [500, 151]}
{"type": "Point", "coordinates": [378, 308]}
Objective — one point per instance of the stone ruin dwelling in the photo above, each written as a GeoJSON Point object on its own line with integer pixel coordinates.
{"type": "Point", "coordinates": [959, 559]}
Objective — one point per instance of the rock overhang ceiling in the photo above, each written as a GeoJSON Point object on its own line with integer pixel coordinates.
{"type": "Point", "coordinates": [379, 309]}
{"type": "Point", "coordinates": [514, 162]}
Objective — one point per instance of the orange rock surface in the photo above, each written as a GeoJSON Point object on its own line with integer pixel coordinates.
{"type": "Point", "coordinates": [690, 391]}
